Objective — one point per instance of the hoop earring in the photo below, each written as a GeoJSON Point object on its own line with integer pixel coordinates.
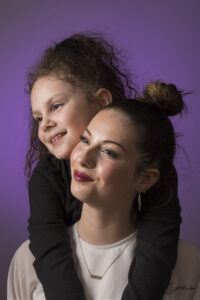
{"type": "Point", "coordinates": [139, 201]}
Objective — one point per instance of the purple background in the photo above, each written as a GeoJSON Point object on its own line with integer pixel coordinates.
{"type": "Point", "coordinates": [161, 40]}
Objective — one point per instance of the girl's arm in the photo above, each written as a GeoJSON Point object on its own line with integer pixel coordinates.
{"type": "Point", "coordinates": [51, 211]}
{"type": "Point", "coordinates": [49, 201]}
{"type": "Point", "coordinates": [156, 251]}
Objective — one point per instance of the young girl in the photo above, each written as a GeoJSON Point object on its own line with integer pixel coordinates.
{"type": "Point", "coordinates": [116, 171]}
{"type": "Point", "coordinates": [71, 83]}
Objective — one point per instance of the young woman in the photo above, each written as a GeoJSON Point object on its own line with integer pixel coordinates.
{"type": "Point", "coordinates": [116, 170]}
{"type": "Point", "coordinates": [71, 83]}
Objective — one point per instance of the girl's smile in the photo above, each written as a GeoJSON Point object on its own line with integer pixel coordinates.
{"type": "Point", "coordinates": [56, 138]}
{"type": "Point", "coordinates": [62, 112]}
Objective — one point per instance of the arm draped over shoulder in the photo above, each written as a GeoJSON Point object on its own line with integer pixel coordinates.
{"type": "Point", "coordinates": [53, 208]}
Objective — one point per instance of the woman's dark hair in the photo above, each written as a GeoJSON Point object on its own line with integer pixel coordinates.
{"type": "Point", "coordinates": [87, 61]}
{"type": "Point", "coordinates": [156, 140]}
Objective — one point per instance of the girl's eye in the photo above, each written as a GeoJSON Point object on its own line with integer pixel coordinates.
{"type": "Point", "coordinates": [38, 119]}
{"type": "Point", "coordinates": [110, 153]}
{"type": "Point", "coordinates": [56, 106]}
{"type": "Point", "coordinates": [84, 139]}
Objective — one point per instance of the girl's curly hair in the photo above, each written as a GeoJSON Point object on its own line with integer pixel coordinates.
{"type": "Point", "coordinates": [87, 61]}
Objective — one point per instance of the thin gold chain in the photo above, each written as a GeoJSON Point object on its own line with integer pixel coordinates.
{"type": "Point", "coordinates": [94, 276]}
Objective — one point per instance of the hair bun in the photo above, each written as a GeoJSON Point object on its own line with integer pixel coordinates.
{"type": "Point", "coordinates": [166, 96]}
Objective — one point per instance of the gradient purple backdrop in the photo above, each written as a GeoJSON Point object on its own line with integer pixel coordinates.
{"type": "Point", "coordinates": [161, 40]}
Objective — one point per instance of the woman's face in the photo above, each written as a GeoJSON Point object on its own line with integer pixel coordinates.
{"type": "Point", "coordinates": [104, 163]}
{"type": "Point", "coordinates": [62, 113]}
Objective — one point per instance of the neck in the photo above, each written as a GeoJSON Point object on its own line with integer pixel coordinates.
{"type": "Point", "coordinates": [100, 227]}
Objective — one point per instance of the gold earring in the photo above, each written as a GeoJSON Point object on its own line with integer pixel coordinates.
{"type": "Point", "coordinates": [139, 201]}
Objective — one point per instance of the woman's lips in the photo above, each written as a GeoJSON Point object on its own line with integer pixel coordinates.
{"type": "Point", "coordinates": [81, 177]}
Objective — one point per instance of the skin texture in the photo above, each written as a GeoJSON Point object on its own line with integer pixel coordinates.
{"type": "Point", "coordinates": [108, 155]}
{"type": "Point", "coordinates": [59, 108]}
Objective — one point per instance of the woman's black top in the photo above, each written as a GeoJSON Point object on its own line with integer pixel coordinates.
{"type": "Point", "coordinates": [53, 208]}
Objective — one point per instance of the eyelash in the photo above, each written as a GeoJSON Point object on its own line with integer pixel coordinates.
{"type": "Point", "coordinates": [58, 106]}
{"type": "Point", "coordinates": [53, 108]}
{"type": "Point", "coordinates": [84, 140]}
{"type": "Point", "coordinates": [38, 119]}
{"type": "Point", "coordinates": [109, 152]}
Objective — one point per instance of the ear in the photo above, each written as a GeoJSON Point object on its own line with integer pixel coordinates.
{"type": "Point", "coordinates": [104, 97]}
{"type": "Point", "coordinates": [147, 179]}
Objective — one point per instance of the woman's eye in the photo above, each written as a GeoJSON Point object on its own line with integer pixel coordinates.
{"type": "Point", "coordinates": [110, 153]}
{"type": "Point", "coordinates": [84, 139]}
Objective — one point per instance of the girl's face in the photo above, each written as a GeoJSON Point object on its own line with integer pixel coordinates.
{"type": "Point", "coordinates": [62, 113]}
{"type": "Point", "coordinates": [104, 163]}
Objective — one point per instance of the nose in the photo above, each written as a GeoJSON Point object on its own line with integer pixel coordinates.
{"type": "Point", "coordinates": [47, 123]}
{"type": "Point", "coordinates": [88, 158]}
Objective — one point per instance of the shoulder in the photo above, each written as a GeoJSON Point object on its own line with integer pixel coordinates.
{"type": "Point", "coordinates": [188, 260]}
{"type": "Point", "coordinates": [21, 265]}
{"type": "Point", "coordinates": [23, 252]}
{"type": "Point", "coordinates": [49, 163]}
{"type": "Point", "coordinates": [188, 252]}
{"type": "Point", "coordinates": [185, 277]}
{"type": "Point", "coordinates": [22, 280]}
{"type": "Point", "coordinates": [48, 169]}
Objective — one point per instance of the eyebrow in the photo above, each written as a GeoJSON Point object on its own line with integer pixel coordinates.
{"type": "Point", "coordinates": [88, 131]}
{"type": "Point", "coordinates": [108, 141]}
{"type": "Point", "coordinates": [49, 101]}
{"type": "Point", "coordinates": [36, 112]}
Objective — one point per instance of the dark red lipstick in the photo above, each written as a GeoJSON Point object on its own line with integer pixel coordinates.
{"type": "Point", "coordinates": [81, 177]}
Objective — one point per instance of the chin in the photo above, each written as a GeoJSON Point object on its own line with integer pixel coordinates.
{"type": "Point", "coordinates": [79, 193]}
{"type": "Point", "coordinates": [63, 151]}
{"type": "Point", "coordinates": [84, 195]}
{"type": "Point", "coordinates": [61, 154]}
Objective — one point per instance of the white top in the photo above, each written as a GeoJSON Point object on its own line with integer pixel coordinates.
{"type": "Point", "coordinates": [98, 259]}
{"type": "Point", "coordinates": [23, 283]}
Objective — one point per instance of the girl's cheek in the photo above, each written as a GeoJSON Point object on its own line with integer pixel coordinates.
{"type": "Point", "coordinates": [40, 135]}
{"type": "Point", "coordinates": [69, 116]}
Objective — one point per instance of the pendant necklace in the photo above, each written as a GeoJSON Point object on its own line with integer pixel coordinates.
{"type": "Point", "coordinates": [95, 276]}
